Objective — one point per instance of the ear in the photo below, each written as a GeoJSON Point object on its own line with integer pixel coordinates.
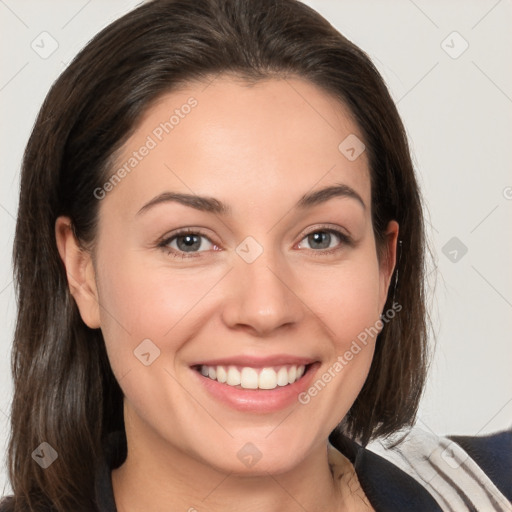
{"type": "Point", "coordinates": [79, 271]}
{"type": "Point", "coordinates": [387, 261]}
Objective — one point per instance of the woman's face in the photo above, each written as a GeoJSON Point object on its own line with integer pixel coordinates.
{"type": "Point", "coordinates": [271, 278]}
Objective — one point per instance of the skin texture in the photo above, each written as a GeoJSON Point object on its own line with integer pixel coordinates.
{"type": "Point", "coordinates": [258, 149]}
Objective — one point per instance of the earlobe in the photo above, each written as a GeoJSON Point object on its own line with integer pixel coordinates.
{"type": "Point", "coordinates": [79, 271]}
{"type": "Point", "coordinates": [388, 260]}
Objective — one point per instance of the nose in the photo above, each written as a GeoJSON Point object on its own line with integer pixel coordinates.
{"type": "Point", "coordinates": [262, 298]}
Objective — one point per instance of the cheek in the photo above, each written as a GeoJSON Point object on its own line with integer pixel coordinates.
{"type": "Point", "coordinates": [143, 301]}
{"type": "Point", "coordinates": [345, 298]}
{"type": "Point", "coordinates": [347, 301]}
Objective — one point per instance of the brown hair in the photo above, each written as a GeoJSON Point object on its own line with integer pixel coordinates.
{"type": "Point", "coordinates": [65, 393]}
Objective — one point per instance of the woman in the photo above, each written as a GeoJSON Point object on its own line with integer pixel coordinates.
{"type": "Point", "coordinates": [219, 257]}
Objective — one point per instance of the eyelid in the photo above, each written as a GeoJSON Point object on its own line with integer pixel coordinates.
{"type": "Point", "coordinates": [331, 228]}
{"type": "Point", "coordinates": [164, 241]}
{"type": "Point", "coordinates": [184, 231]}
{"type": "Point", "coordinates": [345, 239]}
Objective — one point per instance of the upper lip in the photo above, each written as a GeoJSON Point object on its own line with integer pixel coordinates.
{"type": "Point", "coordinates": [257, 361]}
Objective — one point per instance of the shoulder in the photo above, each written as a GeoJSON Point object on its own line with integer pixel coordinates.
{"type": "Point", "coordinates": [386, 484]}
{"type": "Point", "coordinates": [459, 472]}
{"type": "Point", "coordinates": [493, 454]}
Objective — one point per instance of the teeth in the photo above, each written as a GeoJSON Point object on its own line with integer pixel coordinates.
{"type": "Point", "coordinates": [282, 377]}
{"type": "Point", "coordinates": [249, 378]}
{"type": "Point", "coordinates": [222, 375]}
{"type": "Point", "coordinates": [292, 375]}
{"type": "Point", "coordinates": [234, 377]}
{"type": "Point", "coordinates": [267, 379]}
{"type": "Point", "coordinates": [252, 378]}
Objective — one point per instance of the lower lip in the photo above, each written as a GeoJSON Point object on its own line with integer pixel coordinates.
{"type": "Point", "coordinates": [258, 400]}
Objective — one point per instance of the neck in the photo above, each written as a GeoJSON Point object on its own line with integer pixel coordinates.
{"type": "Point", "coordinates": [158, 477]}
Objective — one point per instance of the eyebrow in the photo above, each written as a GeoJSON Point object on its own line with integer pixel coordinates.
{"type": "Point", "coordinates": [324, 194]}
{"type": "Point", "coordinates": [212, 205]}
{"type": "Point", "coordinates": [205, 204]}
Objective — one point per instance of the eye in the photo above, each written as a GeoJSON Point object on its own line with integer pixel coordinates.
{"type": "Point", "coordinates": [323, 239]}
{"type": "Point", "coordinates": [187, 242]}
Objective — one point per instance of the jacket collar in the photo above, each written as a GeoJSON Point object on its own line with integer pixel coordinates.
{"type": "Point", "coordinates": [386, 486]}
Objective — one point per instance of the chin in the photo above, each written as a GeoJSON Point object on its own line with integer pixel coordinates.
{"type": "Point", "coordinates": [256, 453]}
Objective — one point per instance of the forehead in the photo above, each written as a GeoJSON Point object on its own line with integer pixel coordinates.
{"type": "Point", "coordinates": [240, 141]}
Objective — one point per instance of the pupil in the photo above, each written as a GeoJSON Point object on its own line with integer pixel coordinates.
{"type": "Point", "coordinates": [187, 242]}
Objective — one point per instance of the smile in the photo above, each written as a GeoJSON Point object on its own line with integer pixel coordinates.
{"type": "Point", "coordinates": [259, 385]}
{"type": "Point", "coordinates": [254, 378]}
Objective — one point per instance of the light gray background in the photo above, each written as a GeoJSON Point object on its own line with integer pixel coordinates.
{"type": "Point", "coordinates": [457, 112]}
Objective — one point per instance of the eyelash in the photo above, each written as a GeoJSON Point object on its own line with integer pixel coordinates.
{"type": "Point", "coordinates": [180, 254]}
{"type": "Point", "coordinates": [344, 240]}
